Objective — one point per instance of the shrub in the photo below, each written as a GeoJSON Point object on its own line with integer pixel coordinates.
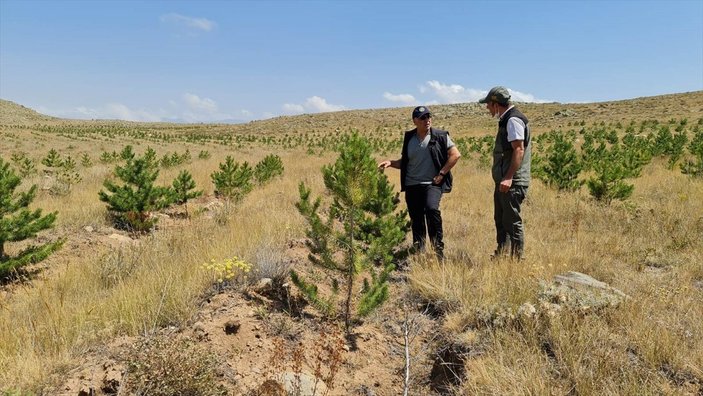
{"type": "Point", "coordinates": [167, 367]}
{"type": "Point", "coordinates": [182, 188]}
{"type": "Point", "coordinates": [561, 166]}
{"type": "Point", "coordinates": [18, 223]}
{"type": "Point", "coordinates": [131, 203]}
{"type": "Point", "coordinates": [694, 166]}
{"type": "Point", "coordinates": [52, 159]}
{"type": "Point", "coordinates": [361, 233]}
{"type": "Point", "coordinates": [233, 181]}
{"type": "Point", "coordinates": [268, 168]}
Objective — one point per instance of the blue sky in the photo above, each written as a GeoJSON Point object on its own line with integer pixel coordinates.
{"type": "Point", "coordinates": [241, 60]}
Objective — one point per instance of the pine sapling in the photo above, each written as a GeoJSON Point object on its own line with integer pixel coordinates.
{"type": "Point", "coordinates": [18, 223]}
{"type": "Point", "coordinates": [360, 235]}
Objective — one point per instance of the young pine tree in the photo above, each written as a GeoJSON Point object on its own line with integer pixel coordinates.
{"type": "Point", "coordinates": [233, 181]}
{"type": "Point", "coordinates": [611, 170]}
{"type": "Point", "coordinates": [18, 223]}
{"type": "Point", "coordinates": [131, 203]}
{"type": "Point", "coordinates": [561, 166]}
{"type": "Point", "coordinates": [52, 159]}
{"type": "Point", "coordinates": [694, 166]}
{"type": "Point", "coordinates": [268, 168]}
{"type": "Point", "coordinates": [359, 236]}
{"type": "Point", "coordinates": [183, 189]}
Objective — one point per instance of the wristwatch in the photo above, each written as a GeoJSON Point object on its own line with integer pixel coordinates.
{"type": "Point", "coordinates": [442, 173]}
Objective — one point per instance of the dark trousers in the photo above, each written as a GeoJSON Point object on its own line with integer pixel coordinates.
{"type": "Point", "coordinates": [425, 216]}
{"type": "Point", "coordinates": [509, 228]}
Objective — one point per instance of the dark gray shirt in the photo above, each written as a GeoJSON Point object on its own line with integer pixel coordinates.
{"type": "Point", "coordinates": [420, 167]}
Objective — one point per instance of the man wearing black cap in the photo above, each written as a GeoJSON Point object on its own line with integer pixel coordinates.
{"type": "Point", "coordinates": [511, 171]}
{"type": "Point", "coordinates": [427, 157]}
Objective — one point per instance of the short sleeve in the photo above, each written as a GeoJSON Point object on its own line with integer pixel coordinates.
{"type": "Point", "coordinates": [516, 129]}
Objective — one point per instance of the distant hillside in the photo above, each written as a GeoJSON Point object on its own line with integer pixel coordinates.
{"type": "Point", "coordinates": [461, 118]}
{"type": "Point", "coordinates": [13, 113]}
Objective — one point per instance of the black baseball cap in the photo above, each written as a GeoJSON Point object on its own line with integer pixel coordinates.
{"type": "Point", "coordinates": [420, 111]}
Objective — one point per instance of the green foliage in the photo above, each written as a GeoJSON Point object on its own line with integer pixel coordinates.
{"type": "Point", "coordinates": [561, 166]}
{"type": "Point", "coordinates": [233, 180]}
{"type": "Point", "coordinates": [611, 170]}
{"type": "Point", "coordinates": [360, 234]}
{"type": "Point", "coordinates": [183, 186]}
{"type": "Point", "coordinates": [131, 203]}
{"type": "Point", "coordinates": [127, 153]}
{"type": "Point", "coordinates": [18, 223]}
{"type": "Point", "coordinates": [52, 159]}
{"type": "Point", "coordinates": [24, 165]}
{"type": "Point", "coordinates": [108, 158]}
{"type": "Point", "coordinates": [268, 168]}
{"type": "Point", "coordinates": [694, 166]}
{"type": "Point", "coordinates": [86, 162]}
{"type": "Point", "coordinates": [204, 154]}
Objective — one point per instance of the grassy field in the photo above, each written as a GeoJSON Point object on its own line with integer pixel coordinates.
{"type": "Point", "coordinates": [648, 246]}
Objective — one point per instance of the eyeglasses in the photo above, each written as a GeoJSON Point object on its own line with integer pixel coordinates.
{"type": "Point", "coordinates": [426, 116]}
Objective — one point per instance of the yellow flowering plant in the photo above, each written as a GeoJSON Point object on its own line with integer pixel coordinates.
{"type": "Point", "coordinates": [226, 272]}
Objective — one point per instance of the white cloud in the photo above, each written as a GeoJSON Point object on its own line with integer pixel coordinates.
{"type": "Point", "coordinates": [188, 22]}
{"type": "Point", "coordinates": [455, 93]}
{"type": "Point", "coordinates": [196, 103]}
{"type": "Point", "coordinates": [293, 108]}
{"type": "Point", "coordinates": [450, 93]}
{"type": "Point", "coordinates": [319, 104]}
{"type": "Point", "coordinates": [314, 104]}
{"type": "Point", "coordinates": [110, 111]}
{"type": "Point", "coordinates": [400, 98]}
{"type": "Point", "coordinates": [518, 96]}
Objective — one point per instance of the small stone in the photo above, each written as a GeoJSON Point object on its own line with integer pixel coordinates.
{"type": "Point", "coordinates": [199, 327]}
{"type": "Point", "coordinates": [527, 310]}
{"type": "Point", "coordinates": [89, 228]}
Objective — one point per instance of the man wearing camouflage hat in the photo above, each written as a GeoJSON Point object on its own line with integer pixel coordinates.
{"type": "Point", "coordinates": [511, 171]}
{"type": "Point", "coordinates": [427, 156]}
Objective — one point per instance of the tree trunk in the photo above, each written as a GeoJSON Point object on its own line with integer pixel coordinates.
{"type": "Point", "coordinates": [350, 273]}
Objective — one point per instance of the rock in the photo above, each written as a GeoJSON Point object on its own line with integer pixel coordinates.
{"type": "Point", "coordinates": [199, 327]}
{"type": "Point", "coordinates": [121, 238]}
{"type": "Point", "coordinates": [209, 207]}
{"type": "Point", "coordinates": [527, 310]}
{"type": "Point", "coordinates": [264, 286]}
{"type": "Point", "coordinates": [301, 242]}
{"type": "Point", "coordinates": [232, 327]}
{"type": "Point", "coordinates": [579, 291]}
{"type": "Point", "coordinates": [89, 228]}
{"type": "Point", "coordinates": [302, 384]}
{"type": "Point", "coordinates": [270, 388]}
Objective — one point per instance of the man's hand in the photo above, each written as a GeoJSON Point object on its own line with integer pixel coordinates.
{"type": "Point", "coordinates": [389, 164]}
{"type": "Point", "coordinates": [505, 185]}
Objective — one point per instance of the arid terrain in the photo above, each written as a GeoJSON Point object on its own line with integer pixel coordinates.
{"type": "Point", "coordinates": [608, 301]}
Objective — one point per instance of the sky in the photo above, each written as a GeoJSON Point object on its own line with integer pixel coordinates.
{"type": "Point", "coordinates": [235, 61]}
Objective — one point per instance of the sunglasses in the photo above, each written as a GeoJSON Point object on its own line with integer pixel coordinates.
{"type": "Point", "coordinates": [426, 116]}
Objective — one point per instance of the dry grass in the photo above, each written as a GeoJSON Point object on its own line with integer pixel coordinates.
{"type": "Point", "coordinates": [648, 247]}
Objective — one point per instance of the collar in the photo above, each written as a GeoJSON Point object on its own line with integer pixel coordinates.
{"type": "Point", "coordinates": [503, 113]}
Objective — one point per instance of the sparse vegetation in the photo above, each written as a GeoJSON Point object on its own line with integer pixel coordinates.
{"type": "Point", "coordinates": [497, 317]}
